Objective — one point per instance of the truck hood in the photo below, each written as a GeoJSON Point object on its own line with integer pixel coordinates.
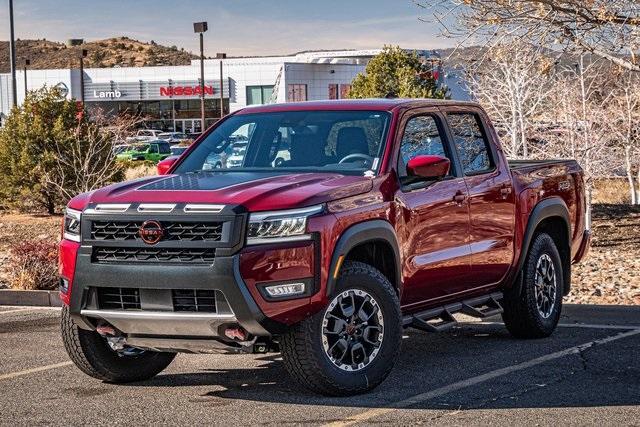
{"type": "Point", "coordinates": [256, 191]}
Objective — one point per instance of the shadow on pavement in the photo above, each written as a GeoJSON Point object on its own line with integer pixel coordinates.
{"type": "Point", "coordinates": [602, 375]}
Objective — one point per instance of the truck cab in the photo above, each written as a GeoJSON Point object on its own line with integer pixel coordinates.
{"type": "Point", "coordinates": [379, 215]}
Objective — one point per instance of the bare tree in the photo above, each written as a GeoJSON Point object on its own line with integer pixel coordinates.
{"type": "Point", "coordinates": [609, 29]}
{"type": "Point", "coordinates": [580, 109]}
{"type": "Point", "coordinates": [511, 85]}
{"type": "Point", "coordinates": [625, 125]}
{"type": "Point", "coordinates": [86, 160]}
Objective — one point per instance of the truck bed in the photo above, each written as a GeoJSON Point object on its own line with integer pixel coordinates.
{"type": "Point", "coordinates": [523, 164]}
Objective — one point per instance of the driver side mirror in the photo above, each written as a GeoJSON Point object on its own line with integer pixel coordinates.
{"type": "Point", "coordinates": [428, 166]}
{"type": "Point", "coordinates": [164, 166]}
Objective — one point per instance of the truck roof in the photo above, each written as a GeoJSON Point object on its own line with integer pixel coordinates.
{"type": "Point", "coordinates": [376, 104]}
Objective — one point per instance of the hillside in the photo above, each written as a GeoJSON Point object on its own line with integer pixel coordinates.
{"type": "Point", "coordinates": [117, 51]}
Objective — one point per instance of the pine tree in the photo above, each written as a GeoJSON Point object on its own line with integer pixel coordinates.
{"type": "Point", "coordinates": [393, 73]}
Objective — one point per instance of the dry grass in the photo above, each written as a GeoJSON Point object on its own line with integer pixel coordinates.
{"type": "Point", "coordinates": [140, 171]}
{"type": "Point", "coordinates": [17, 228]}
{"type": "Point", "coordinates": [611, 191]}
{"type": "Point", "coordinates": [34, 265]}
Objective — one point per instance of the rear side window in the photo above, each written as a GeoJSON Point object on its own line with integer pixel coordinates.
{"type": "Point", "coordinates": [421, 137]}
{"type": "Point", "coordinates": [471, 143]}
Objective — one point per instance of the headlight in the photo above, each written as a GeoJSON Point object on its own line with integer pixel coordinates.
{"type": "Point", "coordinates": [72, 225]}
{"type": "Point", "coordinates": [280, 226]}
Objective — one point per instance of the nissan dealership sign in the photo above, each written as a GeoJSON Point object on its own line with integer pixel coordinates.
{"type": "Point", "coordinates": [151, 90]}
{"type": "Point", "coordinates": [185, 90]}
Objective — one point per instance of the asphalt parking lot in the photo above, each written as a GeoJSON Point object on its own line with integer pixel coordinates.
{"type": "Point", "coordinates": [588, 372]}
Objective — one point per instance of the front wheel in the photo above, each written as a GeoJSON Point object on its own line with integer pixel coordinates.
{"type": "Point", "coordinates": [532, 310]}
{"type": "Point", "coordinates": [350, 346]}
{"type": "Point", "coordinates": [91, 353]}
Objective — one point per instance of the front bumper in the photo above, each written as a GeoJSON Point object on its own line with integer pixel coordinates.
{"type": "Point", "coordinates": [156, 318]}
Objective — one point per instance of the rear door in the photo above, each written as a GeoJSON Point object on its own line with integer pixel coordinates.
{"type": "Point", "coordinates": [153, 153]}
{"type": "Point", "coordinates": [434, 216]}
{"type": "Point", "coordinates": [491, 196]}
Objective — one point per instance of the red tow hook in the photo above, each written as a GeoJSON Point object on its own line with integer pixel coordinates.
{"type": "Point", "coordinates": [236, 334]}
{"type": "Point", "coordinates": [106, 330]}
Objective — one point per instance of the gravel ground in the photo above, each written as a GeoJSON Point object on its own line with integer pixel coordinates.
{"type": "Point", "coordinates": [610, 274]}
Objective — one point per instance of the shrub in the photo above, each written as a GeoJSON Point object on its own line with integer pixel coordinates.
{"type": "Point", "coordinates": [51, 150]}
{"type": "Point", "coordinates": [34, 265]}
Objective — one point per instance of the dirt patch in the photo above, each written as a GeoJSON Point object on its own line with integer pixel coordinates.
{"type": "Point", "coordinates": [610, 274]}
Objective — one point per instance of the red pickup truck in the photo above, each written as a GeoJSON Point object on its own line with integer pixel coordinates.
{"type": "Point", "coordinates": [342, 223]}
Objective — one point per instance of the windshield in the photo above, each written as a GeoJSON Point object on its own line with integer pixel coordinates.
{"type": "Point", "coordinates": [141, 147]}
{"type": "Point", "coordinates": [349, 142]}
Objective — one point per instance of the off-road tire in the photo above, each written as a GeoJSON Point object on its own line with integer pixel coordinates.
{"type": "Point", "coordinates": [91, 353]}
{"type": "Point", "coordinates": [521, 315]}
{"type": "Point", "coordinates": [302, 349]}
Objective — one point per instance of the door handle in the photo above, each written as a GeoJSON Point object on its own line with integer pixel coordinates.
{"type": "Point", "coordinates": [459, 197]}
{"type": "Point", "coordinates": [505, 191]}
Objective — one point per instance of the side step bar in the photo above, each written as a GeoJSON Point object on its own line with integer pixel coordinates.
{"type": "Point", "coordinates": [441, 319]}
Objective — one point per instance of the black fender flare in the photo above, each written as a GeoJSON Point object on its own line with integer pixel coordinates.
{"type": "Point", "coordinates": [547, 208]}
{"type": "Point", "coordinates": [368, 231]}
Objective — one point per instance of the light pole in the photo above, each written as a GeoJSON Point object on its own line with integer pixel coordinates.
{"type": "Point", "coordinates": [27, 62]}
{"type": "Point", "coordinates": [12, 56]}
{"type": "Point", "coordinates": [83, 54]}
{"type": "Point", "coordinates": [200, 28]}
{"type": "Point", "coordinates": [221, 56]}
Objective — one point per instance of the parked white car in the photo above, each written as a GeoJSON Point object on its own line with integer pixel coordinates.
{"type": "Point", "coordinates": [173, 137]}
{"type": "Point", "coordinates": [145, 135]}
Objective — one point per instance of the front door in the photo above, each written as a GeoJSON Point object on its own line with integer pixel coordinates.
{"type": "Point", "coordinates": [433, 229]}
{"type": "Point", "coordinates": [491, 198]}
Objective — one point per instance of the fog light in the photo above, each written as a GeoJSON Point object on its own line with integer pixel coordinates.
{"type": "Point", "coordinates": [285, 290]}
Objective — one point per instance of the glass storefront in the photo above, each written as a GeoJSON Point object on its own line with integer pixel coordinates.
{"type": "Point", "coordinates": [179, 115]}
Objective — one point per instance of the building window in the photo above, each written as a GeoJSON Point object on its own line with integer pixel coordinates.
{"type": "Point", "coordinates": [344, 91]}
{"type": "Point", "coordinates": [296, 92]}
{"type": "Point", "coordinates": [258, 94]}
{"type": "Point", "coordinates": [333, 91]}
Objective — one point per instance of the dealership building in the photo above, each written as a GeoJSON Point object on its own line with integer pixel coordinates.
{"type": "Point", "coordinates": [170, 95]}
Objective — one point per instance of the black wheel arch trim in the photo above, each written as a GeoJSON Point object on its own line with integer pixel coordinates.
{"type": "Point", "coordinates": [363, 232]}
{"type": "Point", "coordinates": [553, 207]}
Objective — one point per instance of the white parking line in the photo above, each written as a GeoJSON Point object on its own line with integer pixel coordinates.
{"type": "Point", "coordinates": [565, 325]}
{"type": "Point", "coordinates": [11, 375]}
{"type": "Point", "coordinates": [14, 311]}
{"type": "Point", "coordinates": [34, 308]}
{"type": "Point", "coordinates": [419, 398]}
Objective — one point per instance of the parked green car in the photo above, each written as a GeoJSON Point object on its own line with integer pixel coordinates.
{"type": "Point", "coordinates": [153, 151]}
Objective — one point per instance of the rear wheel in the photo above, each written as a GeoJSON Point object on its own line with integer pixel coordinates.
{"type": "Point", "coordinates": [532, 310]}
{"type": "Point", "coordinates": [351, 345]}
{"type": "Point", "coordinates": [90, 352]}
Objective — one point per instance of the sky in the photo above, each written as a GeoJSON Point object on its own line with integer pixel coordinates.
{"type": "Point", "coordinates": [237, 27]}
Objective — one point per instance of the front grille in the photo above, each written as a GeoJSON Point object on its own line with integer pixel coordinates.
{"type": "Point", "coordinates": [176, 231]}
{"type": "Point", "coordinates": [153, 255]}
{"type": "Point", "coordinates": [119, 298]}
{"type": "Point", "coordinates": [197, 300]}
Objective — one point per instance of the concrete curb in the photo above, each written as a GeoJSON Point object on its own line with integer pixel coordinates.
{"type": "Point", "coordinates": [32, 298]}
